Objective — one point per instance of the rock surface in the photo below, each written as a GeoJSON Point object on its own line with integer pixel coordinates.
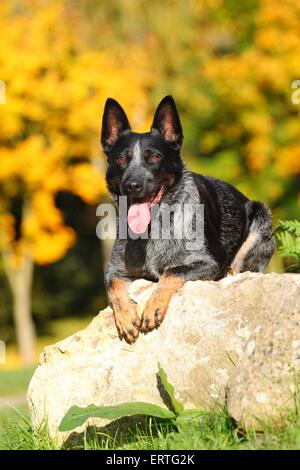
{"type": "Point", "coordinates": [236, 340]}
{"type": "Point", "coordinates": [263, 386]}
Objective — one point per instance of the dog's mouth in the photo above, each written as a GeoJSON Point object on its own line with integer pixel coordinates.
{"type": "Point", "coordinates": [139, 213]}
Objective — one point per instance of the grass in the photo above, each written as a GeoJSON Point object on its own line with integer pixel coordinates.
{"type": "Point", "coordinates": [13, 386]}
{"type": "Point", "coordinates": [18, 434]}
{"type": "Point", "coordinates": [210, 431]}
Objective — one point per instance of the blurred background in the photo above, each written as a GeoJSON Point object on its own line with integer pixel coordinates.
{"type": "Point", "coordinates": [229, 65]}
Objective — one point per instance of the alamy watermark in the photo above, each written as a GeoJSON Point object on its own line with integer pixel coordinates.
{"type": "Point", "coordinates": [296, 94]}
{"type": "Point", "coordinates": [176, 221]}
{"type": "Point", "coordinates": [2, 92]}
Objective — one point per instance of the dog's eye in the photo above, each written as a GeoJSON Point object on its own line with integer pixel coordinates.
{"type": "Point", "coordinates": [121, 160]}
{"type": "Point", "coordinates": [154, 158]}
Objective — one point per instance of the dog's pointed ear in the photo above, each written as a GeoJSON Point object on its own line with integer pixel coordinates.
{"type": "Point", "coordinates": [114, 122]}
{"type": "Point", "coordinates": [167, 122]}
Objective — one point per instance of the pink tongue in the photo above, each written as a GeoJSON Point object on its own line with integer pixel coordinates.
{"type": "Point", "coordinates": [139, 217]}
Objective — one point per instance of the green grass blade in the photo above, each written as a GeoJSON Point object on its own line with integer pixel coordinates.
{"type": "Point", "coordinates": [176, 405]}
{"type": "Point", "coordinates": [76, 416]}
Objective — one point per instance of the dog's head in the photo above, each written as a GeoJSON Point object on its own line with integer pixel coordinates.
{"type": "Point", "coordinates": [142, 166]}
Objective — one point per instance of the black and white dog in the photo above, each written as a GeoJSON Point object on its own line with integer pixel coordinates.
{"type": "Point", "coordinates": [148, 169]}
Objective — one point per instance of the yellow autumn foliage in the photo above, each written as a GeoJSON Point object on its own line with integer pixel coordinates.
{"type": "Point", "coordinates": [50, 124]}
{"type": "Point", "coordinates": [230, 66]}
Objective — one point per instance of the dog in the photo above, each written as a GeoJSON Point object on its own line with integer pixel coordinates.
{"type": "Point", "coordinates": [148, 169]}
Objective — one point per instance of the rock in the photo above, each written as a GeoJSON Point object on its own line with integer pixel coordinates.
{"type": "Point", "coordinates": [237, 340]}
{"type": "Point", "coordinates": [263, 387]}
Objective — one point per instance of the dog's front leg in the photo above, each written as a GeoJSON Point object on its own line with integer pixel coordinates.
{"type": "Point", "coordinates": [171, 281]}
{"type": "Point", "coordinates": [125, 310]}
{"type": "Point", "coordinates": [157, 305]}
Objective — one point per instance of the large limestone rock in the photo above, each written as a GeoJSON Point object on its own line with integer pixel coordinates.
{"type": "Point", "coordinates": [236, 340]}
{"type": "Point", "coordinates": [263, 386]}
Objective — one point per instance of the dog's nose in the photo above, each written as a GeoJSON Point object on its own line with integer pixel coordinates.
{"type": "Point", "coordinates": [133, 187]}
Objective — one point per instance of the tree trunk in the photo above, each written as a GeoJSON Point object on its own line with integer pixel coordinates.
{"type": "Point", "coordinates": [20, 280]}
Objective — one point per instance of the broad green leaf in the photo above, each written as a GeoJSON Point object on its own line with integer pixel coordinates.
{"type": "Point", "coordinates": [76, 416]}
{"type": "Point", "coordinates": [176, 405]}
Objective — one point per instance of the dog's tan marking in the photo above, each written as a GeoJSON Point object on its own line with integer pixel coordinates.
{"type": "Point", "coordinates": [237, 263]}
{"type": "Point", "coordinates": [125, 310]}
{"type": "Point", "coordinates": [157, 305]}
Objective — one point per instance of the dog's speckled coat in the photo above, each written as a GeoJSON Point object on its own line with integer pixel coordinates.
{"type": "Point", "coordinates": [237, 232]}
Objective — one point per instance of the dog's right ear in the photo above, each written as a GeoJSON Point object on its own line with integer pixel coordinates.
{"type": "Point", "coordinates": [114, 123]}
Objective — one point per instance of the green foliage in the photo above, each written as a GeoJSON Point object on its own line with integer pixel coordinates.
{"type": "Point", "coordinates": [213, 430]}
{"type": "Point", "coordinates": [77, 416]}
{"type": "Point", "coordinates": [176, 405]}
{"type": "Point", "coordinates": [186, 429]}
{"type": "Point", "coordinates": [288, 235]}
{"type": "Point", "coordinates": [209, 430]}
{"type": "Point", "coordinates": [181, 424]}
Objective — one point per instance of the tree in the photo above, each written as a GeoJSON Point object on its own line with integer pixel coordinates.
{"type": "Point", "coordinates": [56, 88]}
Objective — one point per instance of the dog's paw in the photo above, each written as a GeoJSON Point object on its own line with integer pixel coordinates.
{"type": "Point", "coordinates": [153, 315]}
{"type": "Point", "coordinates": [128, 323]}
{"type": "Point", "coordinates": [157, 306]}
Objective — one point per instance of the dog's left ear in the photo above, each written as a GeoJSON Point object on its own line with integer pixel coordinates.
{"type": "Point", "coordinates": [166, 121]}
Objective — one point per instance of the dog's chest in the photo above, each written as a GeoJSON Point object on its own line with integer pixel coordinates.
{"type": "Point", "coordinates": [164, 254]}
{"type": "Point", "coordinates": [162, 249]}
{"type": "Point", "coordinates": [150, 258]}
